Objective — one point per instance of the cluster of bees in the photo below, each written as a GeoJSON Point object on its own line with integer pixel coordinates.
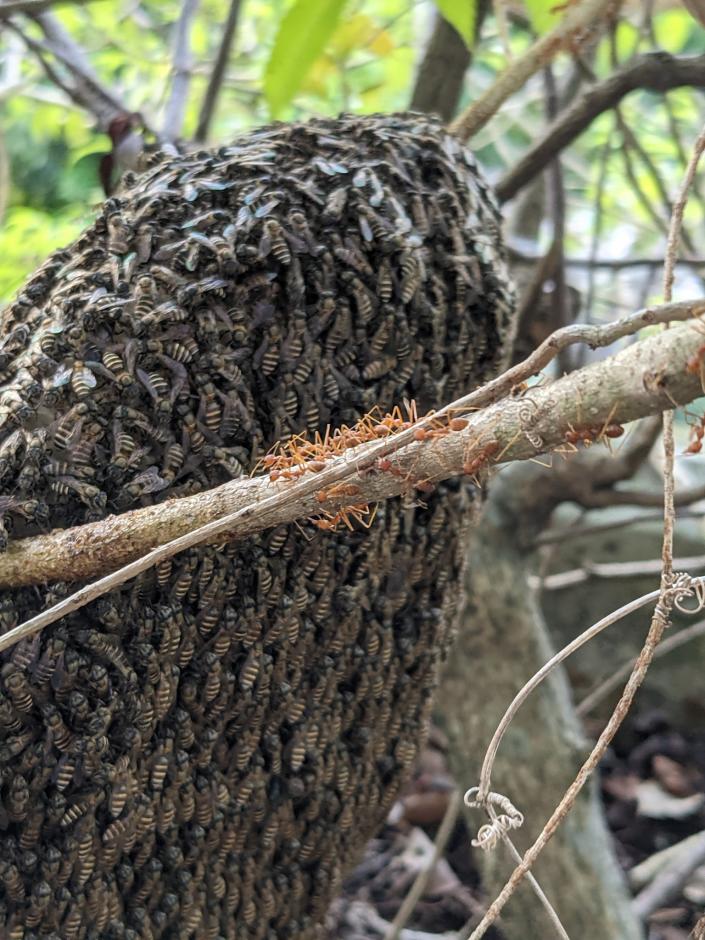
{"type": "Point", "coordinates": [202, 752]}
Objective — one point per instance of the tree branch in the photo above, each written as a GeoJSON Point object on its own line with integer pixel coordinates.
{"type": "Point", "coordinates": [215, 81]}
{"type": "Point", "coordinates": [86, 90]}
{"type": "Point", "coordinates": [642, 379]}
{"type": "Point", "coordinates": [654, 71]}
{"type": "Point", "coordinates": [580, 19]}
{"type": "Point", "coordinates": [439, 80]}
{"type": "Point", "coordinates": [181, 69]}
{"type": "Point", "coordinates": [33, 7]}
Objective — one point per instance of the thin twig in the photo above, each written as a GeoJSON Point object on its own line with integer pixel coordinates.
{"type": "Point", "coordinates": [419, 885]}
{"type": "Point", "coordinates": [181, 72]}
{"type": "Point", "coordinates": [580, 19]}
{"type": "Point", "coordinates": [215, 82]}
{"type": "Point", "coordinates": [653, 71]}
{"type": "Point", "coordinates": [538, 677]}
{"type": "Point", "coordinates": [612, 682]}
{"type": "Point", "coordinates": [538, 890]}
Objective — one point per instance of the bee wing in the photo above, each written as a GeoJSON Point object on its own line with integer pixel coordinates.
{"type": "Point", "coordinates": [62, 376]}
{"type": "Point", "coordinates": [150, 480]}
{"type": "Point", "coordinates": [86, 376]}
{"type": "Point", "coordinates": [266, 208]}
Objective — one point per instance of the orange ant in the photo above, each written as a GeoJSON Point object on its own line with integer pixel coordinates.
{"type": "Point", "coordinates": [695, 362]}
{"type": "Point", "coordinates": [472, 465]}
{"type": "Point", "coordinates": [337, 491]}
{"type": "Point", "coordinates": [697, 432]}
{"type": "Point", "coordinates": [330, 521]}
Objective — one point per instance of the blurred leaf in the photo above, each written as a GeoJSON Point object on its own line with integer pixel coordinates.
{"type": "Point", "coordinates": [541, 15]}
{"type": "Point", "coordinates": [673, 29]}
{"type": "Point", "coordinates": [301, 38]}
{"type": "Point", "coordinates": [462, 14]}
{"type": "Point", "coordinates": [353, 33]}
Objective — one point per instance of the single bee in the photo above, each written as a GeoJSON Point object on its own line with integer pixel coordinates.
{"type": "Point", "coordinates": [119, 234]}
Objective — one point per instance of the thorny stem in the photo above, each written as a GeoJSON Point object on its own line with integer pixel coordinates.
{"type": "Point", "coordinates": [667, 596]}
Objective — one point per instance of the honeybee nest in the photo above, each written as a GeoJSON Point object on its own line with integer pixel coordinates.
{"type": "Point", "coordinates": [203, 752]}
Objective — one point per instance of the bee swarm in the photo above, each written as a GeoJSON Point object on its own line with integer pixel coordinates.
{"type": "Point", "coordinates": [205, 751]}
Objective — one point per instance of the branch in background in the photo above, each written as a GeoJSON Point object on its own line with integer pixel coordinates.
{"type": "Point", "coordinates": [644, 378]}
{"type": "Point", "coordinates": [181, 72]}
{"type": "Point", "coordinates": [215, 82]}
{"type": "Point", "coordinates": [84, 90]}
{"type": "Point", "coordinates": [418, 886]}
{"type": "Point", "coordinates": [580, 20]}
{"type": "Point", "coordinates": [558, 297]}
{"type": "Point", "coordinates": [564, 533]}
{"type": "Point", "coordinates": [33, 7]}
{"type": "Point", "coordinates": [655, 71]}
{"type": "Point", "coordinates": [439, 80]}
{"type": "Point", "coordinates": [612, 569]}
{"type": "Point", "coordinates": [613, 682]}
{"type": "Point", "coordinates": [518, 257]}
{"type": "Point", "coordinates": [668, 883]}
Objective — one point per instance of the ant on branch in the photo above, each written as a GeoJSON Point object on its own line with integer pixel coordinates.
{"type": "Point", "coordinates": [697, 432]}
{"type": "Point", "coordinates": [290, 459]}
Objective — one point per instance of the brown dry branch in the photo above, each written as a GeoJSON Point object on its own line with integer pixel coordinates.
{"type": "Point", "coordinates": [671, 592]}
{"type": "Point", "coordinates": [639, 388]}
{"type": "Point", "coordinates": [640, 380]}
{"type": "Point", "coordinates": [654, 71]}
{"type": "Point", "coordinates": [580, 20]}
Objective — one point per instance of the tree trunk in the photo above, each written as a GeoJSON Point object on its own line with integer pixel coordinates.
{"type": "Point", "coordinates": [502, 641]}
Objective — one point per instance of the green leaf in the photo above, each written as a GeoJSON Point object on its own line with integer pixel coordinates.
{"type": "Point", "coordinates": [301, 38]}
{"type": "Point", "coordinates": [462, 14]}
{"type": "Point", "coordinates": [540, 14]}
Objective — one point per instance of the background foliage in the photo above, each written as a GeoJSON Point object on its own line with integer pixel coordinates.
{"type": "Point", "coordinates": [360, 57]}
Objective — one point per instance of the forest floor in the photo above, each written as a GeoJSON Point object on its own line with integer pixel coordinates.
{"type": "Point", "coordinates": [653, 789]}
